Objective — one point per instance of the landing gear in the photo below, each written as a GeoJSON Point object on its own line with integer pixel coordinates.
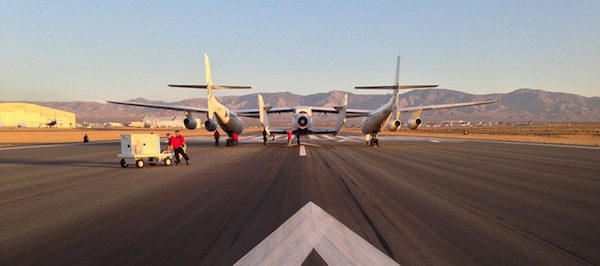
{"type": "Point", "coordinates": [374, 140]}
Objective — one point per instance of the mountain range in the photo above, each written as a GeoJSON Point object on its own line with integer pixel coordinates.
{"type": "Point", "coordinates": [520, 105]}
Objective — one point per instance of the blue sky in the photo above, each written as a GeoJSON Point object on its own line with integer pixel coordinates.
{"type": "Point", "coordinates": [119, 50]}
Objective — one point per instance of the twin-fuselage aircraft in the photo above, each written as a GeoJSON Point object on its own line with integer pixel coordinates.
{"type": "Point", "coordinates": [374, 121]}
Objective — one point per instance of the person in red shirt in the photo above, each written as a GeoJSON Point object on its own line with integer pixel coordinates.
{"type": "Point", "coordinates": [217, 135]}
{"type": "Point", "coordinates": [289, 136]}
{"type": "Point", "coordinates": [182, 140]}
{"type": "Point", "coordinates": [175, 145]}
{"type": "Point", "coordinates": [235, 138]}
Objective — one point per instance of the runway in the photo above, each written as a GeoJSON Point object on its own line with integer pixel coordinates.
{"type": "Point", "coordinates": [412, 201]}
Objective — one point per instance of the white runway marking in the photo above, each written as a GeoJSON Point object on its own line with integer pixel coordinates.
{"type": "Point", "coordinates": [302, 150]}
{"type": "Point", "coordinates": [313, 228]}
{"type": "Point", "coordinates": [50, 145]}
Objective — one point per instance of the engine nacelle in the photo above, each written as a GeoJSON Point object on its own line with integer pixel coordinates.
{"type": "Point", "coordinates": [414, 123]}
{"type": "Point", "coordinates": [190, 122]}
{"type": "Point", "coordinates": [303, 121]}
{"type": "Point", "coordinates": [395, 125]}
{"type": "Point", "coordinates": [210, 125]}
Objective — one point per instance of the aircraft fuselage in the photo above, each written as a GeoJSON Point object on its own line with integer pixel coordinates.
{"type": "Point", "coordinates": [376, 120]}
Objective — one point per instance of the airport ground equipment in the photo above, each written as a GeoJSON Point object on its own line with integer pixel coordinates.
{"type": "Point", "coordinates": [140, 149]}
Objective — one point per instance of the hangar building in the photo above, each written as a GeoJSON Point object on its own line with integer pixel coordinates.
{"type": "Point", "coordinates": [32, 115]}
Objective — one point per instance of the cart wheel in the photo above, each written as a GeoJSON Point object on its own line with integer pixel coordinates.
{"type": "Point", "coordinates": [168, 161]}
{"type": "Point", "coordinates": [124, 163]}
{"type": "Point", "coordinates": [139, 163]}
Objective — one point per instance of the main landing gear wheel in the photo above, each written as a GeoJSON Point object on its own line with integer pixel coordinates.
{"type": "Point", "coordinates": [124, 163]}
{"type": "Point", "coordinates": [139, 163]}
{"type": "Point", "coordinates": [167, 161]}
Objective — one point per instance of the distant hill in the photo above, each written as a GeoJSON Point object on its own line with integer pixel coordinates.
{"type": "Point", "coordinates": [520, 105]}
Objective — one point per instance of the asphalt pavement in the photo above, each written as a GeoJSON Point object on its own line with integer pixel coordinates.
{"type": "Point", "coordinates": [331, 200]}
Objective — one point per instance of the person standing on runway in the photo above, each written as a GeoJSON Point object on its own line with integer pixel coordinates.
{"type": "Point", "coordinates": [289, 136]}
{"type": "Point", "coordinates": [264, 137]}
{"type": "Point", "coordinates": [235, 138]}
{"type": "Point", "coordinates": [217, 135]}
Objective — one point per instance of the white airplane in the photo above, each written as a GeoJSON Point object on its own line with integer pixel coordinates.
{"type": "Point", "coordinates": [520, 124]}
{"type": "Point", "coordinates": [374, 121]}
{"type": "Point", "coordinates": [302, 123]}
{"type": "Point", "coordinates": [217, 113]}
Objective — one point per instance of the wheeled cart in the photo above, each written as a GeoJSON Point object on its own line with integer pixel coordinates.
{"type": "Point", "coordinates": [140, 149]}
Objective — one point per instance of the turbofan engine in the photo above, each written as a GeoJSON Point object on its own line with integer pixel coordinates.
{"type": "Point", "coordinates": [303, 121]}
{"type": "Point", "coordinates": [210, 125]}
{"type": "Point", "coordinates": [395, 125]}
{"type": "Point", "coordinates": [190, 122]}
{"type": "Point", "coordinates": [414, 123]}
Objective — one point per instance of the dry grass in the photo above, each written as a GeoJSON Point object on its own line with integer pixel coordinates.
{"type": "Point", "coordinates": [588, 135]}
{"type": "Point", "coordinates": [59, 135]}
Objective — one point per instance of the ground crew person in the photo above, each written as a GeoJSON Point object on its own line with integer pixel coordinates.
{"type": "Point", "coordinates": [264, 137]}
{"type": "Point", "coordinates": [181, 139]}
{"type": "Point", "coordinates": [289, 135]}
{"type": "Point", "coordinates": [217, 135]}
{"type": "Point", "coordinates": [175, 145]}
{"type": "Point", "coordinates": [235, 138]}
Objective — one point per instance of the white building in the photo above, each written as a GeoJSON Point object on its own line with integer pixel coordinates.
{"type": "Point", "coordinates": [32, 115]}
{"type": "Point", "coordinates": [163, 122]}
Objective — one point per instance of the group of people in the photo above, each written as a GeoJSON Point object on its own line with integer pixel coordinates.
{"type": "Point", "coordinates": [177, 144]}
{"type": "Point", "coordinates": [232, 141]}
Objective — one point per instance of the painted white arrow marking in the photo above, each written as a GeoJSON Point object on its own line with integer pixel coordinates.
{"type": "Point", "coordinates": [313, 228]}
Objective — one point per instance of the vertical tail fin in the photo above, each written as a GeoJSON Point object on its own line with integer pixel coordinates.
{"type": "Point", "coordinates": [210, 97]}
{"type": "Point", "coordinates": [213, 104]}
{"type": "Point", "coordinates": [397, 83]}
{"type": "Point", "coordinates": [262, 111]}
{"type": "Point", "coordinates": [342, 115]}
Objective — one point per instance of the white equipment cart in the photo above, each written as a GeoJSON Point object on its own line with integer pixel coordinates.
{"type": "Point", "coordinates": [141, 148]}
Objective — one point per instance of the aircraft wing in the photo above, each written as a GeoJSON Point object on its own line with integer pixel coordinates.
{"type": "Point", "coordinates": [255, 112]}
{"type": "Point", "coordinates": [163, 106]}
{"type": "Point", "coordinates": [442, 106]}
{"type": "Point", "coordinates": [325, 110]}
{"type": "Point", "coordinates": [351, 113]}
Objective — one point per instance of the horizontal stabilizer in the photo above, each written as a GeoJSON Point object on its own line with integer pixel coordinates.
{"type": "Point", "coordinates": [189, 86]}
{"type": "Point", "coordinates": [416, 86]}
{"type": "Point", "coordinates": [393, 87]}
{"type": "Point", "coordinates": [216, 87]}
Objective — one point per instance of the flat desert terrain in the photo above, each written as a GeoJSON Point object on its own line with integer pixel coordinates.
{"type": "Point", "coordinates": [588, 135]}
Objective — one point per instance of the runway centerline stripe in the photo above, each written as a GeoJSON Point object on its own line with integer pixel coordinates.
{"type": "Point", "coordinates": [302, 150]}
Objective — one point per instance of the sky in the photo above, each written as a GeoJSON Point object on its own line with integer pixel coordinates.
{"type": "Point", "coordinates": [120, 50]}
